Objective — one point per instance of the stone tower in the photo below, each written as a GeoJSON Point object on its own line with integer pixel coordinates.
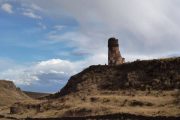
{"type": "Point", "coordinates": [114, 55]}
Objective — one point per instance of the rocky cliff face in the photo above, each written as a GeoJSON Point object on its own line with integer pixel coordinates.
{"type": "Point", "coordinates": [10, 94]}
{"type": "Point", "coordinates": [161, 74]}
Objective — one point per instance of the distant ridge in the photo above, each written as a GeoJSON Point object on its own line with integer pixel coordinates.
{"type": "Point", "coordinates": [36, 95]}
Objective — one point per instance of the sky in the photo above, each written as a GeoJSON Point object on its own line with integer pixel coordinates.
{"type": "Point", "coordinates": [44, 42]}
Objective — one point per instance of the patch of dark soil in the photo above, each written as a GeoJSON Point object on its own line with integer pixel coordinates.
{"type": "Point", "coordinates": [1, 116]}
{"type": "Point", "coordinates": [139, 103]}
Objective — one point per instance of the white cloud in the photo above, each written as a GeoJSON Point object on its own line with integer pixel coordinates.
{"type": "Point", "coordinates": [99, 58]}
{"type": "Point", "coordinates": [143, 26]}
{"type": "Point", "coordinates": [49, 71]}
{"type": "Point", "coordinates": [30, 10]}
{"type": "Point", "coordinates": [42, 26]}
{"type": "Point", "coordinates": [88, 43]}
{"type": "Point", "coordinates": [31, 14]}
{"type": "Point", "coordinates": [36, 7]}
{"type": "Point", "coordinates": [59, 27]}
{"type": "Point", "coordinates": [26, 75]}
{"type": "Point", "coordinates": [7, 7]}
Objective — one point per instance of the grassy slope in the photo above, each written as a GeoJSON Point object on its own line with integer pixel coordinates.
{"type": "Point", "coordinates": [9, 94]}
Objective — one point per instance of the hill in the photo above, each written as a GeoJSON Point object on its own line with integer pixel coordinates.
{"type": "Point", "coordinates": [10, 94]}
{"type": "Point", "coordinates": [147, 88]}
{"type": "Point", "coordinates": [36, 95]}
{"type": "Point", "coordinates": [158, 74]}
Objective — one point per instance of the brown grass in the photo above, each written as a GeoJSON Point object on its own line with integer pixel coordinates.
{"type": "Point", "coordinates": [102, 104]}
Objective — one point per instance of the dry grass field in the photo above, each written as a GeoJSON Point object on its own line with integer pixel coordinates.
{"type": "Point", "coordinates": [137, 103]}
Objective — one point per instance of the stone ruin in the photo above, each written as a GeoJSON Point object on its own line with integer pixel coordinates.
{"type": "Point", "coordinates": [114, 55]}
{"type": "Point", "coordinates": [19, 108]}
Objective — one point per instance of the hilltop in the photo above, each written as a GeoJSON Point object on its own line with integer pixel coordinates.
{"type": "Point", "coordinates": [157, 74]}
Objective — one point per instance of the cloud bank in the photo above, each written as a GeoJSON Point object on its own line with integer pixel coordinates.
{"type": "Point", "coordinates": [149, 25]}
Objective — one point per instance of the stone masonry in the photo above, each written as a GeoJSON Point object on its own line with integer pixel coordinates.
{"type": "Point", "coordinates": [114, 55]}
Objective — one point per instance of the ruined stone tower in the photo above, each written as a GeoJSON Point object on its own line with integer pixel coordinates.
{"type": "Point", "coordinates": [114, 55]}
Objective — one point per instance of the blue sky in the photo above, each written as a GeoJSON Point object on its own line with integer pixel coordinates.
{"type": "Point", "coordinates": [44, 42]}
{"type": "Point", "coordinates": [24, 39]}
